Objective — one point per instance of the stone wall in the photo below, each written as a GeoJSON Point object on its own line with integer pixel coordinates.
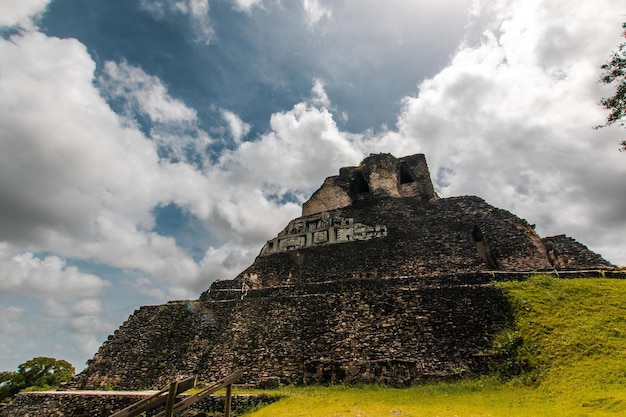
{"type": "Point", "coordinates": [444, 236]}
{"type": "Point", "coordinates": [331, 196]}
{"type": "Point", "coordinates": [84, 404]}
{"type": "Point", "coordinates": [50, 405]}
{"type": "Point", "coordinates": [155, 344]}
{"type": "Point", "coordinates": [394, 331]}
{"type": "Point", "coordinates": [567, 253]}
{"type": "Point", "coordinates": [379, 175]}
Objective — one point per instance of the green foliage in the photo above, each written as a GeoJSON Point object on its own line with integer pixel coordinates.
{"type": "Point", "coordinates": [6, 378]}
{"type": "Point", "coordinates": [35, 375]}
{"type": "Point", "coordinates": [508, 361]}
{"type": "Point", "coordinates": [615, 73]}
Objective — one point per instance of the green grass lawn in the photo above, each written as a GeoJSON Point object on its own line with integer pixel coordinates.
{"type": "Point", "coordinates": [569, 336]}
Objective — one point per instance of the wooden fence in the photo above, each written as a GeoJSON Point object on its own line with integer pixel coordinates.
{"type": "Point", "coordinates": [169, 395]}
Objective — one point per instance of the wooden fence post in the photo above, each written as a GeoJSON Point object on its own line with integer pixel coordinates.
{"type": "Point", "coordinates": [171, 399]}
{"type": "Point", "coordinates": [228, 400]}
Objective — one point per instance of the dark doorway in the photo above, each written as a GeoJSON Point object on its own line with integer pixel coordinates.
{"type": "Point", "coordinates": [483, 249]}
{"type": "Point", "coordinates": [360, 185]}
{"type": "Point", "coordinates": [406, 176]}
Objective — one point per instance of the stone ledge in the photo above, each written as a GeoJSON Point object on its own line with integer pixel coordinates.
{"type": "Point", "coordinates": [104, 403]}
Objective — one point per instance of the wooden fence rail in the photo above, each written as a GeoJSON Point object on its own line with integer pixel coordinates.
{"type": "Point", "coordinates": [168, 396]}
{"type": "Point", "coordinates": [156, 400]}
{"type": "Point", "coordinates": [205, 392]}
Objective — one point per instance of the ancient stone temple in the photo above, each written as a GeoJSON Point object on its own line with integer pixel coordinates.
{"type": "Point", "coordinates": [380, 280]}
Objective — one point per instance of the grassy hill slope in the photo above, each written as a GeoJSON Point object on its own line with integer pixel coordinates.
{"type": "Point", "coordinates": [564, 355]}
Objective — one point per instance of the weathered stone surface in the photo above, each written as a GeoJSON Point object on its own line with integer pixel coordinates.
{"type": "Point", "coordinates": [379, 175]}
{"type": "Point", "coordinates": [39, 405]}
{"type": "Point", "coordinates": [421, 239]}
{"type": "Point", "coordinates": [393, 331]}
{"type": "Point", "coordinates": [378, 281]}
{"type": "Point", "coordinates": [565, 252]}
{"type": "Point", "coordinates": [320, 229]}
{"type": "Point", "coordinates": [332, 195]}
{"type": "Point", "coordinates": [84, 404]}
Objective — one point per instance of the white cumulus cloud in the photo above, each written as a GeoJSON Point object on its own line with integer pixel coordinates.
{"type": "Point", "coordinates": [144, 93]}
{"type": "Point", "coordinates": [20, 13]}
{"type": "Point", "coordinates": [246, 5]}
{"type": "Point", "coordinates": [510, 119]}
{"type": "Point", "coordinates": [196, 10]}
{"type": "Point", "coordinates": [316, 11]}
{"type": "Point", "coordinates": [29, 275]}
{"type": "Point", "coordinates": [238, 128]}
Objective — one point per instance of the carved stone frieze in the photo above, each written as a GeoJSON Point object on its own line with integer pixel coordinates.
{"type": "Point", "coordinates": [321, 229]}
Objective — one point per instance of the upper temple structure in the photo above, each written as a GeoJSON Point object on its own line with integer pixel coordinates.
{"type": "Point", "coordinates": [380, 280]}
{"type": "Point", "coordinates": [396, 224]}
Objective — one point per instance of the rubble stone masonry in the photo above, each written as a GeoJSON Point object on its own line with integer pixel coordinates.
{"type": "Point", "coordinates": [380, 280]}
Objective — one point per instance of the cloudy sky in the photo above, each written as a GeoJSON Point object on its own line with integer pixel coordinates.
{"type": "Point", "coordinates": [149, 147]}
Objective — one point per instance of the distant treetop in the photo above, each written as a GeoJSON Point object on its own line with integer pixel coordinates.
{"type": "Point", "coordinates": [615, 73]}
{"type": "Point", "coordinates": [39, 373]}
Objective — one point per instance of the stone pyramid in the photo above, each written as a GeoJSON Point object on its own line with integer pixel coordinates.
{"type": "Point", "coordinates": [380, 280]}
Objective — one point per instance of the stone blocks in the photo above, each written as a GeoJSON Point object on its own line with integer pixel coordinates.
{"type": "Point", "coordinates": [379, 281]}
